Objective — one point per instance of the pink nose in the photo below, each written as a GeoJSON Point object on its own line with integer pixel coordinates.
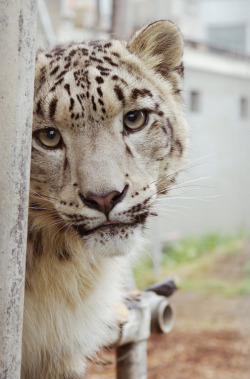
{"type": "Point", "coordinates": [104, 203]}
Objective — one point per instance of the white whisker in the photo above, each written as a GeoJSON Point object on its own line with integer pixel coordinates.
{"type": "Point", "coordinates": [181, 185]}
{"type": "Point", "coordinates": [182, 168]}
{"type": "Point", "coordinates": [205, 198]}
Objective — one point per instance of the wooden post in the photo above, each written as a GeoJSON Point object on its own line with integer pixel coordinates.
{"type": "Point", "coordinates": [17, 49]}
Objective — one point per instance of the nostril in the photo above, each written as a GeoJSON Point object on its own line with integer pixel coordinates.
{"type": "Point", "coordinates": [88, 202]}
{"type": "Point", "coordinates": [118, 198]}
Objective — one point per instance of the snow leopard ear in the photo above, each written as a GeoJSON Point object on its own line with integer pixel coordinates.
{"type": "Point", "coordinates": [160, 46]}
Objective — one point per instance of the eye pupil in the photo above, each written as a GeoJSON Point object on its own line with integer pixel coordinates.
{"type": "Point", "coordinates": [51, 134]}
{"type": "Point", "coordinates": [132, 116]}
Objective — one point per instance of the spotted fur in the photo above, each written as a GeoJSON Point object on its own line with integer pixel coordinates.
{"type": "Point", "coordinates": [77, 257]}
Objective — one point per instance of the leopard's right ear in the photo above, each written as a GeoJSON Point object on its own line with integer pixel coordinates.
{"type": "Point", "coordinates": [159, 46]}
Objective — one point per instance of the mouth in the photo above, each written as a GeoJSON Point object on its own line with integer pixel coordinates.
{"type": "Point", "coordinates": [110, 226]}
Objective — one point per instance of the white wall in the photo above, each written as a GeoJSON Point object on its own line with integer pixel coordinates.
{"type": "Point", "coordinates": [217, 130]}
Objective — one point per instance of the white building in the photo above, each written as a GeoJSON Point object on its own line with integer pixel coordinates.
{"type": "Point", "coordinates": [217, 98]}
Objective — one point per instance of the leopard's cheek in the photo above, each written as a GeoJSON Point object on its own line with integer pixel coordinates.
{"type": "Point", "coordinates": [48, 169]}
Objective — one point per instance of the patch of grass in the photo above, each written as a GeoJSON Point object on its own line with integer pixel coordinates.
{"type": "Point", "coordinates": [193, 261]}
{"type": "Point", "coordinates": [189, 249]}
{"type": "Point", "coordinates": [218, 286]}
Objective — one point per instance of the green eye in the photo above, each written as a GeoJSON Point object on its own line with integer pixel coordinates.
{"type": "Point", "coordinates": [49, 137]}
{"type": "Point", "coordinates": [135, 120]}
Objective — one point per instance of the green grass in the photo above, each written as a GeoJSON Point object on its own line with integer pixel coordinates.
{"type": "Point", "coordinates": [218, 286]}
{"type": "Point", "coordinates": [189, 249]}
{"type": "Point", "coordinates": [193, 260]}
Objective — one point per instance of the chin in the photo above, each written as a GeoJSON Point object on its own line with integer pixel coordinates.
{"type": "Point", "coordinates": [114, 241]}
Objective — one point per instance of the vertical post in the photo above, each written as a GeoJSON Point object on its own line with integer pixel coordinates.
{"type": "Point", "coordinates": [17, 49]}
{"type": "Point", "coordinates": [131, 361]}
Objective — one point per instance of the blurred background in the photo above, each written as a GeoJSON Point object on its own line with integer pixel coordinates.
{"type": "Point", "coordinates": [202, 232]}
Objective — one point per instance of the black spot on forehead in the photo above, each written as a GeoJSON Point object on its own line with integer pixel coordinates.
{"type": "Point", "coordinates": [140, 93]}
{"type": "Point", "coordinates": [72, 52]}
{"type": "Point", "coordinates": [96, 60]}
{"type": "Point", "coordinates": [61, 74]}
{"type": "Point", "coordinates": [72, 102]}
{"type": "Point", "coordinates": [54, 70]}
{"type": "Point", "coordinates": [39, 110]}
{"type": "Point", "coordinates": [93, 103]}
{"type": "Point", "coordinates": [67, 65]}
{"type": "Point", "coordinates": [99, 91]}
{"type": "Point", "coordinates": [67, 87]}
{"type": "Point", "coordinates": [109, 60]}
{"type": "Point", "coordinates": [85, 51]}
{"type": "Point", "coordinates": [107, 45]}
{"type": "Point", "coordinates": [99, 79]}
{"type": "Point", "coordinates": [119, 93]}
{"type": "Point", "coordinates": [52, 107]}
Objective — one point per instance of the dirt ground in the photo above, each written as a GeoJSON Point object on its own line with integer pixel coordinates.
{"type": "Point", "coordinates": [210, 339]}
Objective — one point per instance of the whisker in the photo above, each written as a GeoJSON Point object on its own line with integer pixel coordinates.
{"type": "Point", "coordinates": [182, 168]}
{"type": "Point", "coordinates": [46, 226]}
{"type": "Point", "coordinates": [205, 198]}
{"type": "Point", "coordinates": [175, 211]}
{"type": "Point", "coordinates": [180, 185]}
{"type": "Point", "coordinates": [46, 198]}
{"type": "Point", "coordinates": [58, 230]}
{"type": "Point", "coordinates": [42, 208]}
{"type": "Point", "coordinates": [172, 205]}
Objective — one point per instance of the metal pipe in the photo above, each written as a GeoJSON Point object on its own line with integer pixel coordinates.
{"type": "Point", "coordinates": [131, 361]}
{"type": "Point", "coordinates": [147, 313]}
{"type": "Point", "coordinates": [17, 40]}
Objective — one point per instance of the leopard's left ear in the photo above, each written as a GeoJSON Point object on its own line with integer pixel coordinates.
{"type": "Point", "coordinates": [159, 46]}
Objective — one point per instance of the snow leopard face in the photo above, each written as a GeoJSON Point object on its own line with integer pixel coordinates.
{"type": "Point", "coordinates": [108, 135]}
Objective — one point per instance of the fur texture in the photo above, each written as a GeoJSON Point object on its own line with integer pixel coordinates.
{"type": "Point", "coordinates": [108, 124]}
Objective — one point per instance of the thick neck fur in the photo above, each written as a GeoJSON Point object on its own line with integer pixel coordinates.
{"type": "Point", "coordinates": [65, 287]}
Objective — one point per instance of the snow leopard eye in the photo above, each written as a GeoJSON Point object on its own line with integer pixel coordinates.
{"type": "Point", "coordinates": [49, 137]}
{"type": "Point", "coordinates": [135, 120]}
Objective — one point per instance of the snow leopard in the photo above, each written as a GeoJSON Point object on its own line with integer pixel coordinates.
{"type": "Point", "coordinates": [109, 136]}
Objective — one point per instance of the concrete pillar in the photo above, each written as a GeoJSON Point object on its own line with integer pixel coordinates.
{"type": "Point", "coordinates": [17, 39]}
